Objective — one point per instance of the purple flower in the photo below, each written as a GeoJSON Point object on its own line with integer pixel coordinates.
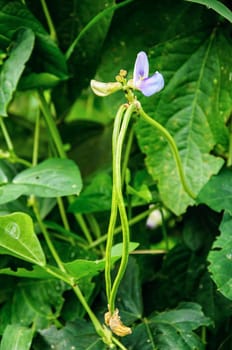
{"type": "Point", "coordinates": [147, 85]}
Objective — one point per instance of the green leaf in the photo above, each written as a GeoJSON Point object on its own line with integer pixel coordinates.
{"type": "Point", "coordinates": [96, 196]}
{"type": "Point", "coordinates": [217, 6]}
{"type": "Point", "coordinates": [196, 100]}
{"type": "Point", "coordinates": [37, 302]}
{"type": "Point", "coordinates": [192, 110]}
{"type": "Point", "coordinates": [43, 80]}
{"type": "Point", "coordinates": [217, 193]}
{"type": "Point", "coordinates": [170, 330]}
{"type": "Point", "coordinates": [129, 296]}
{"type": "Point", "coordinates": [81, 268]}
{"type": "Point", "coordinates": [36, 272]}
{"type": "Point", "coordinates": [178, 278]}
{"type": "Point", "coordinates": [17, 238]}
{"type": "Point", "coordinates": [51, 178]}
{"type": "Point", "coordinates": [79, 335]}
{"type": "Point", "coordinates": [47, 57]}
{"type": "Point", "coordinates": [13, 67]}
{"type": "Point", "coordinates": [10, 192]}
{"type": "Point", "coordinates": [80, 44]}
{"type": "Point", "coordinates": [6, 172]}
{"type": "Point", "coordinates": [16, 337]}
{"type": "Point", "coordinates": [220, 258]}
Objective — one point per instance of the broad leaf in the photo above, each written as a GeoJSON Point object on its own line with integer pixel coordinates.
{"type": "Point", "coordinates": [13, 67]}
{"type": "Point", "coordinates": [220, 258]}
{"type": "Point", "coordinates": [7, 172]}
{"type": "Point", "coordinates": [79, 335]}
{"type": "Point", "coordinates": [16, 337]}
{"type": "Point", "coordinates": [96, 196]}
{"type": "Point", "coordinates": [47, 57]}
{"type": "Point", "coordinates": [35, 272]}
{"type": "Point", "coordinates": [129, 298]}
{"type": "Point", "coordinates": [82, 52]}
{"type": "Point", "coordinates": [37, 302]}
{"type": "Point", "coordinates": [51, 178]}
{"type": "Point", "coordinates": [10, 192]}
{"type": "Point", "coordinates": [170, 330]}
{"type": "Point", "coordinates": [191, 107]}
{"type": "Point", "coordinates": [85, 268]}
{"type": "Point", "coordinates": [217, 193]}
{"type": "Point", "coordinates": [17, 238]}
{"type": "Point", "coordinates": [197, 97]}
{"type": "Point", "coordinates": [217, 6]}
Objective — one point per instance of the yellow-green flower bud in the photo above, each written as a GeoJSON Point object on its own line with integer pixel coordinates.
{"type": "Point", "coordinates": [104, 89]}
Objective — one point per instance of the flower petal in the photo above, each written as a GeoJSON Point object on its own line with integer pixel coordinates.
{"type": "Point", "coordinates": [141, 68]}
{"type": "Point", "coordinates": [104, 89]}
{"type": "Point", "coordinates": [151, 85]}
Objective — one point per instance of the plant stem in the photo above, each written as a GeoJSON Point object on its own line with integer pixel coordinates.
{"type": "Point", "coordinates": [121, 207]}
{"type": "Point", "coordinates": [6, 136]}
{"type": "Point", "coordinates": [11, 154]}
{"type": "Point", "coordinates": [47, 238]}
{"type": "Point", "coordinates": [64, 276]}
{"type": "Point", "coordinates": [84, 228]}
{"type": "Point", "coordinates": [97, 325]}
{"type": "Point", "coordinates": [52, 126]}
{"type": "Point", "coordinates": [49, 20]}
{"type": "Point", "coordinates": [173, 147]}
{"type": "Point", "coordinates": [117, 342]}
{"type": "Point", "coordinates": [36, 141]}
{"type": "Point", "coordinates": [95, 229]}
{"type": "Point", "coordinates": [61, 152]}
{"type": "Point", "coordinates": [113, 214]}
{"type": "Point", "coordinates": [68, 279]}
{"type": "Point", "coordinates": [63, 214]}
{"type": "Point", "coordinates": [91, 23]}
{"type": "Point", "coordinates": [229, 159]}
{"type": "Point", "coordinates": [164, 231]}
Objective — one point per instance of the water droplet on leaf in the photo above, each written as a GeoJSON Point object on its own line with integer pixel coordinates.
{"type": "Point", "coordinates": [13, 230]}
{"type": "Point", "coordinates": [229, 256]}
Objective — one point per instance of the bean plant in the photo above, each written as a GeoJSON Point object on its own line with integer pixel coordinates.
{"type": "Point", "coordinates": [115, 171]}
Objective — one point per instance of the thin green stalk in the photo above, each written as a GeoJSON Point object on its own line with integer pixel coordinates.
{"type": "Point", "coordinates": [164, 231]}
{"type": "Point", "coordinates": [114, 209]}
{"type": "Point", "coordinates": [63, 214]}
{"type": "Point", "coordinates": [94, 225]}
{"type": "Point", "coordinates": [120, 345]}
{"type": "Point", "coordinates": [95, 229]}
{"type": "Point", "coordinates": [173, 147]}
{"type": "Point", "coordinates": [49, 20]}
{"type": "Point", "coordinates": [97, 325]}
{"type": "Point", "coordinates": [149, 333]}
{"type": "Point", "coordinates": [36, 141]}
{"type": "Point", "coordinates": [52, 126]}
{"type": "Point", "coordinates": [61, 152]}
{"type": "Point", "coordinates": [11, 154]}
{"type": "Point", "coordinates": [84, 228]}
{"type": "Point", "coordinates": [121, 207]}
{"type": "Point", "coordinates": [63, 275]}
{"type": "Point", "coordinates": [203, 335]}
{"type": "Point", "coordinates": [118, 229]}
{"type": "Point", "coordinates": [91, 23]}
{"type": "Point", "coordinates": [47, 239]}
{"type": "Point", "coordinates": [6, 136]}
{"type": "Point", "coordinates": [229, 158]}
{"type": "Point", "coordinates": [14, 159]}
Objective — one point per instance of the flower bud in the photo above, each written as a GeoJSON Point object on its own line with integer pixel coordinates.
{"type": "Point", "coordinates": [104, 89]}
